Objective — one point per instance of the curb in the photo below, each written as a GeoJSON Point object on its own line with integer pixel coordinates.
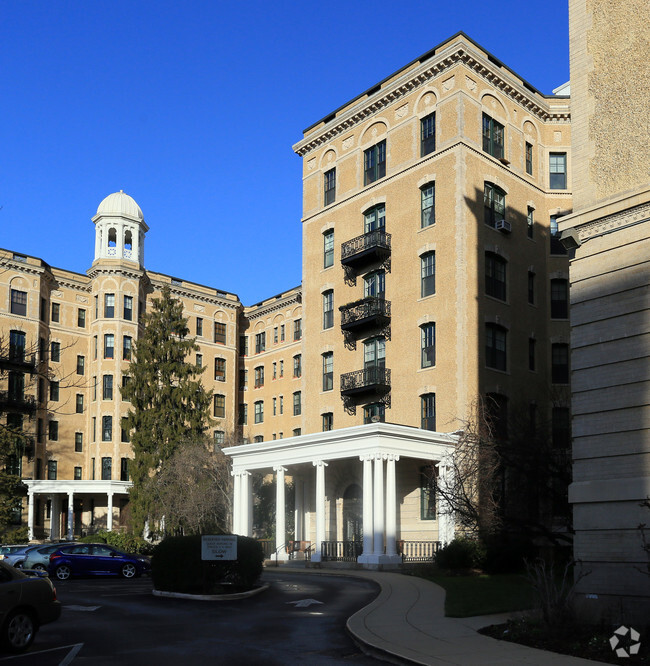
{"type": "Point", "coordinates": [212, 597]}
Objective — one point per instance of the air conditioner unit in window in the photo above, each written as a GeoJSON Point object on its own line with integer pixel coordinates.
{"type": "Point", "coordinates": [220, 379]}
{"type": "Point", "coordinates": [504, 226]}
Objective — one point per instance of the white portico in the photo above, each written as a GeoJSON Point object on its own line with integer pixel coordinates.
{"type": "Point", "coordinates": [382, 458]}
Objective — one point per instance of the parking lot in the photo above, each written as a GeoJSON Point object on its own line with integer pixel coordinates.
{"type": "Point", "coordinates": [113, 621]}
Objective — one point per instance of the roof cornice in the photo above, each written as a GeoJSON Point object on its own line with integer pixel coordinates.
{"type": "Point", "coordinates": [279, 304]}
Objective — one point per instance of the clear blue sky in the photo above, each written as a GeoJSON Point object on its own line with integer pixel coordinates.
{"type": "Point", "coordinates": [192, 108]}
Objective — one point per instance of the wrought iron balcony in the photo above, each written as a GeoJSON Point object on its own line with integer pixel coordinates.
{"type": "Point", "coordinates": [373, 246]}
{"type": "Point", "coordinates": [15, 359]}
{"type": "Point", "coordinates": [17, 402]}
{"type": "Point", "coordinates": [369, 311]}
{"type": "Point", "coordinates": [370, 380]}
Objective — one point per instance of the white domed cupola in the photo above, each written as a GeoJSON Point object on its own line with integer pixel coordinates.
{"type": "Point", "coordinates": [119, 229]}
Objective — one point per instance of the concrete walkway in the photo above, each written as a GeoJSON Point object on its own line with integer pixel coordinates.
{"type": "Point", "coordinates": [407, 623]}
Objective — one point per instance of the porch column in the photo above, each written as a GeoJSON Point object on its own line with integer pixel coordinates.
{"type": "Point", "coordinates": [280, 517]}
{"type": "Point", "coordinates": [320, 509]}
{"type": "Point", "coordinates": [299, 517]}
{"type": "Point", "coordinates": [391, 506]}
{"type": "Point", "coordinates": [445, 517]}
{"type": "Point", "coordinates": [70, 515]}
{"type": "Point", "coordinates": [109, 512]}
{"type": "Point", "coordinates": [246, 505]}
{"type": "Point", "coordinates": [367, 505]}
{"type": "Point", "coordinates": [30, 514]}
{"type": "Point", "coordinates": [378, 522]}
{"type": "Point", "coordinates": [55, 517]}
{"type": "Point", "coordinates": [236, 503]}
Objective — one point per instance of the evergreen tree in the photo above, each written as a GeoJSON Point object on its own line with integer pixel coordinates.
{"type": "Point", "coordinates": [170, 406]}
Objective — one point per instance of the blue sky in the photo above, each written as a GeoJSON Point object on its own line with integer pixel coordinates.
{"type": "Point", "coordinates": [192, 108]}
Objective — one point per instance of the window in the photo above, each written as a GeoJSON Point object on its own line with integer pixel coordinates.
{"type": "Point", "coordinates": [374, 353]}
{"type": "Point", "coordinates": [556, 244]}
{"type": "Point", "coordinates": [495, 346]}
{"type": "Point", "coordinates": [297, 329]}
{"type": "Point", "coordinates": [125, 382]}
{"type": "Point", "coordinates": [199, 326]}
{"type": "Point", "coordinates": [109, 345]}
{"type": "Point", "coordinates": [77, 473]}
{"type": "Point", "coordinates": [78, 442]}
{"type": "Point", "coordinates": [243, 378]}
{"type": "Point", "coordinates": [374, 285]}
{"type": "Point", "coordinates": [329, 186]}
{"type": "Point", "coordinates": [55, 352]}
{"type": "Point", "coordinates": [428, 409]}
{"type": "Point", "coordinates": [107, 464]}
{"type": "Point", "coordinates": [219, 406]}
{"type": "Point", "coordinates": [218, 439]}
{"type": "Point", "coordinates": [428, 274]}
{"type": "Point", "coordinates": [531, 287]}
{"type": "Point", "coordinates": [107, 428]}
{"type": "Point", "coordinates": [495, 276]}
{"type": "Point", "coordinates": [529, 158]}
{"type": "Point", "coordinates": [428, 493]}
{"type": "Point", "coordinates": [79, 407]}
{"type": "Point", "coordinates": [375, 413]}
{"type": "Point", "coordinates": [19, 302]}
{"type": "Point", "coordinates": [259, 411]}
{"type": "Point", "coordinates": [560, 363]}
{"type": "Point", "coordinates": [258, 438]}
{"type": "Point", "coordinates": [81, 318]}
{"type": "Point", "coordinates": [281, 404]}
{"type": "Point", "coordinates": [219, 333]}
{"type": "Point", "coordinates": [81, 365]}
{"type": "Point", "coordinates": [124, 469]}
{"type": "Point", "coordinates": [125, 435]}
{"type": "Point", "coordinates": [107, 387]}
{"type": "Point", "coordinates": [427, 134]}
{"type": "Point", "coordinates": [16, 345]}
{"type": "Point", "coordinates": [328, 371]}
{"type": "Point", "coordinates": [109, 306]}
{"type": "Point", "coordinates": [53, 431]}
{"type": "Point", "coordinates": [328, 248]}
{"type": "Point", "coordinates": [532, 344]}
{"type": "Point", "coordinates": [259, 376]}
{"type": "Point", "coordinates": [92, 502]}
{"type": "Point", "coordinates": [128, 308]}
{"type": "Point", "coordinates": [220, 369]}
{"type": "Point", "coordinates": [199, 360]}
{"type": "Point", "coordinates": [494, 204]}
{"type": "Point", "coordinates": [328, 309]}
{"type": "Point", "coordinates": [93, 428]}
{"type": "Point", "coordinates": [297, 366]}
{"type": "Point", "coordinates": [297, 403]}
{"type": "Point", "coordinates": [328, 421]}
{"type": "Point", "coordinates": [56, 312]}
{"type": "Point", "coordinates": [275, 405]}
{"type": "Point", "coordinates": [282, 333]}
{"type": "Point", "coordinates": [561, 427]}
{"type": "Point", "coordinates": [559, 299]}
{"type": "Point", "coordinates": [96, 307]}
{"type": "Point", "coordinates": [260, 342]}
{"type": "Point", "coordinates": [374, 163]}
{"type": "Point", "coordinates": [54, 390]}
{"type": "Point", "coordinates": [243, 414]}
{"type": "Point", "coordinates": [557, 171]}
{"type": "Point", "coordinates": [492, 137]}
{"type": "Point", "coordinates": [297, 432]}
{"type": "Point", "coordinates": [243, 345]}
{"type": "Point", "coordinates": [95, 347]}
{"type": "Point", "coordinates": [374, 219]}
{"type": "Point", "coordinates": [127, 344]}
{"type": "Point", "coordinates": [428, 345]}
{"type": "Point", "coordinates": [530, 222]}
{"type": "Point", "coordinates": [428, 201]}
{"type": "Point", "coordinates": [51, 470]}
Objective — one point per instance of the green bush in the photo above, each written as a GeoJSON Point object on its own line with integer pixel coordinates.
{"type": "Point", "coordinates": [177, 566]}
{"type": "Point", "coordinates": [16, 535]}
{"type": "Point", "coordinates": [461, 554]}
{"type": "Point", "coordinates": [129, 543]}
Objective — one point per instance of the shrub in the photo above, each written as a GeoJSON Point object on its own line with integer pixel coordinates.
{"type": "Point", "coordinates": [177, 567]}
{"type": "Point", "coordinates": [17, 535]}
{"type": "Point", "coordinates": [461, 553]}
{"type": "Point", "coordinates": [129, 543]}
{"type": "Point", "coordinates": [507, 553]}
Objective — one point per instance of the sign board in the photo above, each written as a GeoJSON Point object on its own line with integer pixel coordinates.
{"type": "Point", "coordinates": [219, 547]}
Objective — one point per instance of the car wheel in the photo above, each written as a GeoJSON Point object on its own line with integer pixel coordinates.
{"type": "Point", "coordinates": [128, 570]}
{"type": "Point", "coordinates": [19, 631]}
{"type": "Point", "coordinates": [19, 565]}
{"type": "Point", "coordinates": [62, 572]}
{"type": "Point", "coordinates": [39, 567]}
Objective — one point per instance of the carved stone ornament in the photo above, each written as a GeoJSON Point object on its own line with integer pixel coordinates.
{"type": "Point", "coordinates": [347, 142]}
{"type": "Point", "coordinates": [471, 84]}
{"type": "Point", "coordinates": [311, 165]}
{"type": "Point", "coordinates": [448, 84]}
{"type": "Point", "coordinates": [57, 293]}
{"type": "Point", "coordinates": [81, 299]}
{"type": "Point", "coordinates": [557, 137]}
{"type": "Point", "coordinates": [402, 111]}
{"type": "Point", "coordinates": [199, 308]}
{"type": "Point", "coordinates": [615, 221]}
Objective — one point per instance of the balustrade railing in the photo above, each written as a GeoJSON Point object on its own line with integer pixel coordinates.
{"type": "Point", "coordinates": [418, 551]}
{"type": "Point", "coordinates": [24, 402]}
{"type": "Point", "coordinates": [341, 551]}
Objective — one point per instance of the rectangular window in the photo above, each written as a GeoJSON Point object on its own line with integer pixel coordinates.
{"type": "Point", "coordinates": [282, 333]}
{"type": "Point", "coordinates": [79, 407]}
{"type": "Point", "coordinates": [275, 401]}
{"type": "Point", "coordinates": [530, 222]}
{"type": "Point", "coordinates": [219, 333]}
{"type": "Point", "coordinates": [329, 186]}
{"type": "Point", "coordinates": [218, 439]}
{"type": "Point", "coordinates": [259, 411]}
{"type": "Point", "coordinates": [109, 306]}
{"type": "Point", "coordinates": [557, 171]}
{"type": "Point", "coordinates": [328, 248]}
{"type": "Point", "coordinates": [531, 354]}
{"type": "Point", "coordinates": [127, 345]}
{"type": "Point", "coordinates": [275, 335]}
{"type": "Point", "coordinates": [561, 427]}
{"type": "Point", "coordinates": [78, 442]}
{"type": "Point", "coordinates": [529, 158]}
{"type": "Point", "coordinates": [55, 352]}
{"type": "Point", "coordinates": [96, 307]}
{"type": "Point", "coordinates": [428, 345]}
{"type": "Point", "coordinates": [559, 299]}
{"type": "Point", "coordinates": [281, 368]}
{"type": "Point", "coordinates": [531, 287]}
{"type": "Point", "coordinates": [428, 493]}
{"type": "Point", "coordinates": [560, 363]}
{"type": "Point", "coordinates": [124, 469]}
{"type": "Point", "coordinates": [51, 470]}
{"type": "Point", "coordinates": [94, 386]}
{"type": "Point", "coordinates": [56, 312]}
{"type": "Point", "coordinates": [243, 345]}
{"type": "Point", "coordinates": [297, 366]}
{"type": "Point", "coordinates": [93, 424]}
{"type": "Point", "coordinates": [260, 342]}
{"type": "Point", "coordinates": [17, 345]}
{"type": "Point", "coordinates": [95, 345]}
{"type": "Point", "coordinates": [107, 387]}
{"type": "Point", "coordinates": [556, 244]}
{"type": "Point", "coordinates": [495, 276]}
{"type": "Point", "coordinates": [428, 273]}
{"type": "Point", "coordinates": [19, 302]}
{"type": "Point", "coordinates": [125, 382]}
{"type": "Point", "coordinates": [220, 369]}
{"type": "Point", "coordinates": [495, 347]}
{"type": "Point", "coordinates": [53, 431]}
{"type": "Point", "coordinates": [296, 432]}
{"type": "Point", "coordinates": [243, 378]}
{"type": "Point", "coordinates": [374, 219]}
{"type": "Point", "coordinates": [374, 163]}
{"type": "Point", "coordinates": [494, 204]}
{"type": "Point", "coordinates": [219, 406]}
{"type": "Point", "coordinates": [54, 391]}
{"type": "Point", "coordinates": [275, 370]}
{"type": "Point", "coordinates": [328, 421]}
{"type": "Point", "coordinates": [259, 376]}
{"type": "Point", "coordinates": [42, 312]}
{"type": "Point", "coordinates": [297, 329]}
{"type": "Point", "coordinates": [128, 308]}
{"type": "Point", "coordinates": [109, 345]}
{"type": "Point", "coordinates": [328, 371]}
{"type": "Point", "coordinates": [428, 200]}
{"type": "Point", "coordinates": [107, 464]}
{"type": "Point", "coordinates": [107, 428]}
{"type": "Point", "coordinates": [427, 134]}
{"type": "Point", "coordinates": [492, 137]}
{"type": "Point", "coordinates": [328, 309]}
{"type": "Point", "coordinates": [199, 326]}
{"type": "Point", "coordinates": [81, 318]}
{"type": "Point", "coordinates": [81, 365]}
{"type": "Point", "coordinates": [199, 360]}
{"type": "Point", "coordinates": [297, 403]}
{"type": "Point", "coordinates": [243, 414]}
{"type": "Point", "coordinates": [77, 473]}
{"type": "Point", "coordinates": [374, 413]}
{"type": "Point", "coordinates": [124, 430]}
{"type": "Point", "coordinates": [428, 404]}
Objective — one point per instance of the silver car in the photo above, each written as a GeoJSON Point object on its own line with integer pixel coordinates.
{"type": "Point", "coordinates": [15, 555]}
{"type": "Point", "coordinates": [38, 557]}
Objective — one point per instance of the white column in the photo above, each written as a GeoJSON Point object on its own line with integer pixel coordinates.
{"type": "Point", "coordinates": [236, 504]}
{"type": "Point", "coordinates": [280, 517]}
{"type": "Point", "coordinates": [391, 506]}
{"type": "Point", "coordinates": [445, 516]}
{"type": "Point", "coordinates": [109, 512]}
{"type": "Point", "coordinates": [320, 509]}
{"type": "Point", "coordinates": [30, 514]}
{"type": "Point", "coordinates": [367, 507]}
{"type": "Point", "coordinates": [246, 508]}
{"type": "Point", "coordinates": [70, 515]}
{"type": "Point", "coordinates": [55, 517]}
{"type": "Point", "coordinates": [299, 517]}
{"type": "Point", "coordinates": [378, 508]}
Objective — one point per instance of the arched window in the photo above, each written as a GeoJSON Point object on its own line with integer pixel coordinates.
{"type": "Point", "coordinates": [112, 237]}
{"type": "Point", "coordinates": [128, 240]}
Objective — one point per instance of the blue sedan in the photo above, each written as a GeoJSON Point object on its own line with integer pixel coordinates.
{"type": "Point", "coordinates": [93, 559]}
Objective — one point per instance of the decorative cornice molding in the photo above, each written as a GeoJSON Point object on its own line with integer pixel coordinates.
{"type": "Point", "coordinates": [95, 271]}
{"type": "Point", "coordinates": [613, 222]}
{"type": "Point", "coordinates": [183, 291]}
{"type": "Point", "coordinates": [280, 304]}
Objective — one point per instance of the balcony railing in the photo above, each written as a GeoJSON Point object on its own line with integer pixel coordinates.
{"type": "Point", "coordinates": [375, 245]}
{"type": "Point", "coordinates": [364, 381]}
{"type": "Point", "coordinates": [370, 311]}
{"type": "Point", "coordinates": [341, 551]}
{"type": "Point", "coordinates": [15, 359]}
{"type": "Point", "coordinates": [22, 403]}
{"type": "Point", "coordinates": [418, 551]}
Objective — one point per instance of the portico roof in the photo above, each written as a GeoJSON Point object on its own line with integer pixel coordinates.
{"type": "Point", "coordinates": [66, 486]}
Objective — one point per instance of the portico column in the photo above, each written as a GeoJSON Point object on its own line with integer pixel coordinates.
{"type": "Point", "coordinates": [378, 508]}
{"type": "Point", "coordinates": [367, 505]}
{"type": "Point", "coordinates": [445, 517]}
{"type": "Point", "coordinates": [109, 512]}
{"type": "Point", "coordinates": [70, 515]}
{"type": "Point", "coordinates": [236, 503]}
{"type": "Point", "coordinates": [246, 505]}
{"type": "Point", "coordinates": [320, 509]}
{"type": "Point", "coordinates": [55, 517]}
{"type": "Point", "coordinates": [391, 506]}
{"type": "Point", "coordinates": [280, 519]}
{"type": "Point", "coordinates": [299, 517]}
{"type": "Point", "coordinates": [30, 514]}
